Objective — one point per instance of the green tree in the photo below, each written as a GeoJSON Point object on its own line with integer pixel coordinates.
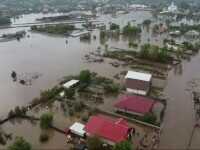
{"type": "Point", "coordinates": [78, 106]}
{"type": "Point", "coordinates": [94, 143]}
{"type": "Point", "coordinates": [102, 34]}
{"type": "Point", "coordinates": [46, 120]}
{"type": "Point", "coordinates": [69, 92]}
{"type": "Point", "coordinates": [20, 144]}
{"type": "Point", "coordinates": [114, 26]}
{"type": "Point", "coordinates": [85, 77]}
{"type": "Point", "coordinates": [124, 145]}
{"type": "Point", "coordinates": [131, 30]}
{"type": "Point", "coordinates": [144, 52]}
{"type": "Point", "coordinates": [146, 22]}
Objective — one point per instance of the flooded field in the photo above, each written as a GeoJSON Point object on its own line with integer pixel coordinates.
{"type": "Point", "coordinates": [50, 56]}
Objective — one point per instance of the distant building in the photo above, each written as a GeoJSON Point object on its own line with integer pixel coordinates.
{"type": "Point", "coordinates": [137, 82]}
{"type": "Point", "coordinates": [172, 8]}
{"type": "Point", "coordinates": [192, 34]}
{"type": "Point", "coordinates": [110, 132]}
{"type": "Point", "coordinates": [136, 105]}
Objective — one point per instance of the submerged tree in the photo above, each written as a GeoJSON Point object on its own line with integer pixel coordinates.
{"type": "Point", "coordinates": [46, 120]}
{"type": "Point", "coordinates": [20, 144]}
{"type": "Point", "coordinates": [85, 77]}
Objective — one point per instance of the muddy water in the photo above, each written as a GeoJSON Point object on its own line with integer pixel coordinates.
{"type": "Point", "coordinates": [179, 119]}
{"type": "Point", "coordinates": [31, 132]}
{"type": "Point", "coordinates": [51, 57]}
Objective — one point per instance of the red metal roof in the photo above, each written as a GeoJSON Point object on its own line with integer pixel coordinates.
{"type": "Point", "coordinates": [114, 131]}
{"type": "Point", "coordinates": [135, 103]}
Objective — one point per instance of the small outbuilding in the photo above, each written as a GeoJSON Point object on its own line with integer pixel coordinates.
{"type": "Point", "coordinates": [77, 128]}
{"type": "Point", "coordinates": [70, 83]}
{"type": "Point", "coordinates": [137, 82]}
{"type": "Point", "coordinates": [136, 105]}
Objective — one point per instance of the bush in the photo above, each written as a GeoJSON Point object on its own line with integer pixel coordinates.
{"type": "Point", "coordinates": [11, 113]}
{"type": "Point", "coordinates": [94, 111]}
{"type": "Point", "coordinates": [150, 118]}
{"type": "Point", "coordinates": [146, 22]}
{"type": "Point", "coordinates": [124, 145]}
{"type": "Point", "coordinates": [69, 93]}
{"type": "Point", "coordinates": [35, 102]}
{"type": "Point", "coordinates": [102, 34]}
{"type": "Point", "coordinates": [110, 88]}
{"type": "Point", "coordinates": [85, 77]}
{"type": "Point", "coordinates": [94, 143]}
{"type": "Point", "coordinates": [131, 30]}
{"type": "Point", "coordinates": [114, 26]}
{"type": "Point", "coordinates": [78, 106]}
{"type": "Point", "coordinates": [85, 118]}
{"type": "Point", "coordinates": [46, 120]}
{"type": "Point", "coordinates": [71, 111]}
{"type": "Point", "coordinates": [44, 138]}
{"type": "Point", "coordinates": [18, 111]}
{"type": "Point", "coordinates": [20, 144]}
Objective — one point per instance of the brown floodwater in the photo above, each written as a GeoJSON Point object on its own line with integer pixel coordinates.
{"type": "Point", "coordinates": [51, 57]}
{"type": "Point", "coordinates": [179, 116]}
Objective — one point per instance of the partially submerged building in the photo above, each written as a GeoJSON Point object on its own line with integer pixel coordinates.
{"type": "Point", "coordinates": [70, 83]}
{"type": "Point", "coordinates": [136, 105]}
{"type": "Point", "coordinates": [137, 82]}
{"type": "Point", "coordinates": [77, 129]}
{"type": "Point", "coordinates": [110, 132]}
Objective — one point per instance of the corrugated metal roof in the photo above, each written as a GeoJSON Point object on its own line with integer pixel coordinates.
{"type": "Point", "coordinates": [138, 76]}
{"type": "Point", "coordinates": [77, 128]}
{"type": "Point", "coordinates": [70, 83]}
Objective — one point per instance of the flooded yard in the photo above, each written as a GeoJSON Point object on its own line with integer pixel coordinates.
{"type": "Point", "coordinates": [50, 56]}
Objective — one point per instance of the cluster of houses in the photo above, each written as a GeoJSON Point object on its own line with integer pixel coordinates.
{"type": "Point", "coordinates": [112, 132]}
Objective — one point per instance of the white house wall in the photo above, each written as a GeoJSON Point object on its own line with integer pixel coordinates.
{"type": "Point", "coordinates": [128, 112]}
{"type": "Point", "coordinates": [136, 91]}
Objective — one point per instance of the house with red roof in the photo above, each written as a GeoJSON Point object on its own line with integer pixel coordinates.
{"type": "Point", "coordinates": [110, 132]}
{"type": "Point", "coordinates": [136, 105]}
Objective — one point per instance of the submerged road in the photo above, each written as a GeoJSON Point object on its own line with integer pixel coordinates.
{"type": "Point", "coordinates": [179, 116]}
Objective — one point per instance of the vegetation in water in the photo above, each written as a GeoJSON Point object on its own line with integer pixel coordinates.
{"type": "Point", "coordinates": [114, 26]}
{"type": "Point", "coordinates": [124, 145]}
{"type": "Point", "coordinates": [85, 37]}
{"type": "Point", "coordinates": [20, 144]}
{"type": "Point", "coordinates": [46, 120]}
{"type": "Point", "coordinates": [131, 30]}
{"type": "Point", "coordinates": [63, 29]}
{"type": "Point", "coordinates": [154, 53]}
{"type": "Point", "coordinates": [44, 138]}
{"type": "Point", "coordinates": [4, 21]}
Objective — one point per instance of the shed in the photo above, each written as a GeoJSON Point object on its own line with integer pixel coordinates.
{"type": "Point", "coordinates": [137, 82]}
{"type": "Point", "coordinates": [70, 83]}
{"type": "Point", "coordinates": [77, 128]}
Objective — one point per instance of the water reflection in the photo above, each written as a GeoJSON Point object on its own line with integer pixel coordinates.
{"type": "Point", "coordinates": [178, 70]}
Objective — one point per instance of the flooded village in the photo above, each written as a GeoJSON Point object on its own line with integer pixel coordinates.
{"type": "Point", "coordinates": [104, 75]}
